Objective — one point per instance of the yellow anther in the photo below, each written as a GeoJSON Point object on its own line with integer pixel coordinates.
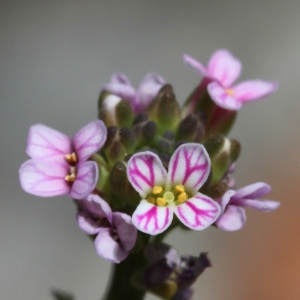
{"type": "Point", "coordinates": [179, 188]}
{"type": "Point", "coordinates": [182, 197]}
{"type": "Point", "coordinates": [161, 201]}
{"type": "Point", "coordinates": [230, 92]}
{"type": "Point", "coordinates": [157, 189]}
{"type": "Point", "coordinates": [72, 158]}
{"type": "Point", "coordinates": [151, 200]}
{"type": "Point", "coordinates": [169, 197]}
{"type": "Point", "coordinates": [71, 177]}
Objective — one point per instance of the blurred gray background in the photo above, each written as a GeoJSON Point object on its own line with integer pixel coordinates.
{"type": "Point", "coordinates": [55, 57]}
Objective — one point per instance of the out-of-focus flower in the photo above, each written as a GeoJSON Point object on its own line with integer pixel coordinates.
{"type": "Point", "coordinates": [222, 70]}
{"type": "Point", "coordinates": [176, 191]}
{"type": "Point", "coordinates": [115, 234]}
{"type": "Point", "coordinates": [59, 164]}
{"type": "Point", "coordinates": [233, 215]}
{"type": "Point", "coordinates": [120, 85]}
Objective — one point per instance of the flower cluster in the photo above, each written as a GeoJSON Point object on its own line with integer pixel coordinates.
{"type": "Point", "coordinates": [147, 159]}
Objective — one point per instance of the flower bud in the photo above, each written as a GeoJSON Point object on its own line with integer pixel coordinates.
{"type": "Point", "coordinates": [165, 110]}
{"type": "Point", "coordinates": [121, 187]}
{"type": "Point", "coordinates": [114, 111]}
{"type": "Point", "coordinates": [144, 130]}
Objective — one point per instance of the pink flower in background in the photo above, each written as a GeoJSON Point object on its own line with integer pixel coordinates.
{"type": "Point", "coordinates": [233, 215]}
{"type": "Point", "coordinates": [176, 191]}
{"type": "Point", "coordinates": [120, 85]}
{"type": "Point", "coordinates": [59, 164]}
{"type": "Point", "coordinates": [222, 70]}
{"type": "Point", "coordinates": [115, 234]}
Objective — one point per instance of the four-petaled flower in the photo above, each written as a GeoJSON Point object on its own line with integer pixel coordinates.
{"type": "Point", "coordinates": [233, 215]}
{"type": "Point", "coordinates": [120, 85]}
{"type": "Point", "coordinates": [176, 191]}
{"type": "Point", "coordinates": [115, 234]}
{"type": "Point", "coordinates": [222, 70]}
{"type": "Point", "coordinates": [59, 164]}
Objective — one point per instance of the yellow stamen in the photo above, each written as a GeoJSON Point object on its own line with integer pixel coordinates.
{"type": "Point", "coordinates": [161, 201]}
{"type": "Point", "coordinates": [71, 177]}
{"type": "Point", "coordinates": [151, 200]}
{"type": "Point", "coordinates": [156, 189]}
{"type": "Point", "coordinates": [182, 197]}
{"type": "Point", "coordinates": [179, 188]}
{"type": "Point", "coordinates": [230, 92]}
{"type": "Point", "coordinates": [169, 197]}
{"type": "Point", "coordinates": [72, 158]}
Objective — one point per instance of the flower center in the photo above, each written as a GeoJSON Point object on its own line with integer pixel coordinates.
{"type": "Point", "coordinates": [230, 92]}
{"type": "Point", "coordinates": [72, 176]}
{"type": "Point", "coordinates": [71, 158]}
{"type": "Point", "coordinates": [160, 197]}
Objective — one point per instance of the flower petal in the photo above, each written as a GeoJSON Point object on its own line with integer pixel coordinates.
{"type": "Point", "coordinates": [89, 139]}
{"type": "Point", "coordinates": [152, 219]}
{"type": "Point", "coordinates": [252, 191]}
{"type": "Point", "coordinates": [234, 218]}
{"type": "Point", "coordinates": [120, 85]}
{"type": "Point", "coordinates": [262, 205]}
{"type": "Point", "coordinates": [189, 166]}
{"type": "Point", "coordinates": [86, 179]}
{"type": "Point", "coordinates": [108, 248]}
{"type": "Point", "coordinates": [223, 98]}
{"type": "Point", "coordinates": [194, 65]}
{"type": "Point", "coordinates": [87, 223]}
{"type": "Point", "coordinates": [144, 171]}
{"type": "Point", "coordinates": [147, 91]}
{"type": "Point", "coordinates": [126, 231]}
{"type": "Point", "coordinates": [47, 143]}
{"type": "Point", "coordinates": [224, 67]}
{"type": "Point", "coordinates": [198, 212]}
{"type": "Point", "coordinates": [44, 178]}
{"type": "Point", "coordinates": [254, 90]}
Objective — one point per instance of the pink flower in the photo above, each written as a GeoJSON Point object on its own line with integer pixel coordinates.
{"type": "Point", "coordinates": [222, 70]}
{"type": "Point", "coordinates": [233, 215]}
{"type": "Point", "coordinates": [59, 164]}
{"type": "Point", "coordinates": [115, 234]}
{"type": "Point", "coordinates": [120, 85]}
{"type": "Point", "coordinates": [176, 191]}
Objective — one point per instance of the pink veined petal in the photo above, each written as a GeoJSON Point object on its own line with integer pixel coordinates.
{"type": "Point", "coordinates": [189, 166]}
{"type": "Point", "coordinates": [47, 143]}
{"type": "Point", "coordinates": [225, 200]}
{"type": "Point", "coordinates": [147, 91]}
{"type": "Point", "coordinates": [120, 85]}
{"type": "Point", "coordinates": [253, 90]}
{"type": "Point", "coordinates": [152, 219]}
{"type": "Point", "coordinates": [144, 171]}
{"type": "Point", "coordinates": [86, 223]}
{"type": "Point", "coordinates": [194, 65]}
{"type": "Point", "coordinates": [108, 248]}
{"type": "Point", "coordinates": [222, 98]}
{"type": "Point", "coordinates": [89, 139]}
{"type": "Point", "coordinates": [86, 179]}
{"type": "Point", "coordinates": [126, 230]}
{"type": "Point", "coordinates": [224, 67]}
{"type": "Point", "coordinates": [262, 205]}
{"type": "Point", "coordinates": [198, 212]}
{"type": "Point", "coordinates": [253, 191]}
{"type": "Point", "coordinates": [234, 218]}
{"type": "Point", "coordinates": [44, 178]}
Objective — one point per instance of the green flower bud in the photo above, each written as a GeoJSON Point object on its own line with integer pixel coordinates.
{"type": "Point", "coordinates": [165, 110]}
{"type": "Point", "coordinates": [114, 111]}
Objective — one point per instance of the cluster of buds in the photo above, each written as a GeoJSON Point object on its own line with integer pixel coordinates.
{"type": "Point", "coordinates": [147, 158]}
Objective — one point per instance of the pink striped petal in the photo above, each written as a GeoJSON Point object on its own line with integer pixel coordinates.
{"type": "Point", "coordinates": [147, 91]}
{"type": "Point", "coordinates": [234, 218]}
{"type": "Point", "coordinates": [44, 178]}
{"type": "Point", "coordinates": [86, 179]}
{"type": "Point", "coordinates": [222, 98]}
{"type": "Point", "coordinates": [224, 67]}
{"type": "Point", "coordinates": [195, 65]}
{"type": "Point", "coordinates": [47, 143]}
{"type": "Point", "coordinates": [198, 212]}
{"type": "Point", "coordinates": [252, 90]}
{"type": "Point", "coordinates": [144, 171]}
{"type": "Point", "coordinates": [262, 205]}
{"type": "Point", "coordinates": [152, 219]}
{"type": "Point", "coordinates": [189, 166]}
{"type": "Point", "coordinates": [89, 139]}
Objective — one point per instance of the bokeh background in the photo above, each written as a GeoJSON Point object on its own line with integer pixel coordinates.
{"type": "Point", "coordinates": [54, 58]}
